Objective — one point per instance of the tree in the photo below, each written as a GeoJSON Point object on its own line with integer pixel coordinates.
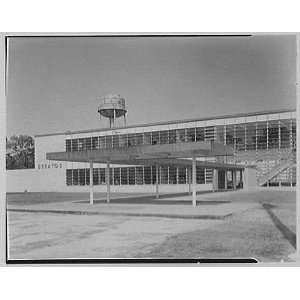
{"type": "Point", "coordinates": [19, 152]}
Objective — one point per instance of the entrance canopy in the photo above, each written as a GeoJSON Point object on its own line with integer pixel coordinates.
{"type": "Point", "coordinates": [167, 154]}
{"type": "Point", "coordinates": [179, 154]}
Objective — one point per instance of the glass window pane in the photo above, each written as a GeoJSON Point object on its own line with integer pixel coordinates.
{"type": "Point", "coordinates": [191, 134]}
{"type": "Point", "coordinates": [102, 144]}
{"type": "Point", "coordinates": [208, 175]}
{"type": "Point", "coordinates": [96, 176]}
{"type": "Point", "coordinates": [124, 175]}
{"type": "Point", "coordinates": [154, 174]}
{"type": "Point", "coordinates": [123, 140]}
{"type": "Point", "coordinates": [139, 175]}
{"type": "Point", "coordinates": [164, 175]}
{"type": "Point", "coordinates": [251, 136]}
{"type": "Point", "coordinates": [102, 176]}
{"type": "Point", "coordinates": [115, 141]}
{"type": "Point", "coordinates": [69, 177]}
{"type": "Point", "coordinates": [81, 176]}
{"type": "Point", "coordinates": [131, 140]}
{"type": "Point", "coordinates": [172, 175]}
{"type": "Point", "coordinates": [220, 134]}
{"type": "Point", "coordinates": [87, 176]}
{"type": "Point", "coordinates": [75, 145]}
{"type": "Point", "coordinates": [117, 176]}
{"type": "Point", "coordinates": [163, 137]}
{"type": "Point", "coordinates": [284, 133]}
{"type": "Point", "coordinates": [155, 137]}
{"type": "Point", "coordinates": [95, 142]}
{"type": "Point", "coordinates": [273, 134]}
{"type": "Point", "coordinates": [182, 175]}
{"type": "Point", "coordinates": [240, 137]}
{"type": "Point", "coordinates": [147, 175]}
{"type": "Point", "coordinates": [172, 136]}
{"type": "Point", "coordinates": [147, 138]}
{"type": "Point", "coordinates": [200, 175]}
{"type": "Point", "coordinates": [209, 133]}
{"type": "Point", "coordinates": [88, 143]}
{"type": "Point", "coordinates": [68, 146]}
{"type": "Point", "coordinates": [75, 177]}
{"type": "Point", "coordinates": [131, 175]}
{"type": "Point", "coordinates": [108, 141]}
{"type": "Point", "coordinates": [199, 134]}
{"type": "Point", "coordinates": [261, 135]}
{"type": "Point", "coordinates": [180, 135]}
{"type": "Point", "coordinates": [139, 138]}
{"type": "Point", "coordinates": [81, 146]}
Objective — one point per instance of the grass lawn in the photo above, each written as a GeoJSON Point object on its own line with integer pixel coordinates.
{"type": "Point", "coordinates": [254, 233]}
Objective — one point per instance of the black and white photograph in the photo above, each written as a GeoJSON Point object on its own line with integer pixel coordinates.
{"type": "Point", "coordinates": [151, 147]}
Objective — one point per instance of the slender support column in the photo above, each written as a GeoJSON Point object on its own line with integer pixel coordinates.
{"type": "Point", "coordinates": [157, 182]}
{"type": "Point", "coordinates": [107, 179]}
{"type": "Point", "coordinates": [234, 179]}
{"type": "Point", "coordinates": [190, 179]}
{"type": "Point", "coordinates": [241, 178]}
{"type": "Point", "coordinates": [91, 183]}
{"type": "Point", "coordinates": [194, 181]}
{"type": "Point", "coordinates": [225, 179]}
{"type": "Point", "coordinates": [215, 180]}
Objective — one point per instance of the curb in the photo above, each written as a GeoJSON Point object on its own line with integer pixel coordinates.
{"type": "Point", "coordinates": [93, 213]}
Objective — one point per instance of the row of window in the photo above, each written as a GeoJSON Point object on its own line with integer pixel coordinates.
{"type": "Point", "coordinates": [249, 136]}
{"type": "Point", "coordinates": [137, 175]}
{"type": "Point", "coordinates": [146, 138]}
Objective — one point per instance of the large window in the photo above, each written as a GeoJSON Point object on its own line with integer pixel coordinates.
{"type": "Point", "coordinates": [273, 134]}
{"type": "Point", "coordinates": [285, 133]}
{"type": "Point", "coordinates": [69, 177]}
{"type": "Point", "coordinates": [147, 175]}
{"type": "Point", "coordinates": [68, 145]}
{"type": "Point", "coordinates": [182, 175]}
{"type": "Point", "coordinates": [139, 175]}
{"type": "Point", "coordinates": [81, 176]}
{"type": "Point", "coordinates": [124, 176]}
{"type": "Point", "coordinates": [262, 135]}
{"type": "Point", "coordinates": [191, 134]}
{"type": "Point", "coordinates": [172, 175]}
{"type": "Point", "coordinates": [180, 135]}
{"type": "Point", "coordinates": [117, 179]}
{"type": "Point", "coordinates": [164, 137]}
{"type": "Point", "coordinates": [200, 175]}
{"type": "Point", "coordinates": [200, 133]}
{"type": "Point", "coordinates": [251, 136]}
{"type": "Point", "coordinates": [240, 135]}
{"type": "Point", "coordinates": [131, 174]}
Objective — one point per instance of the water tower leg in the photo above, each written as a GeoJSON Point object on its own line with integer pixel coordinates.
{"type": "Point", "coordinates": [107, 179]}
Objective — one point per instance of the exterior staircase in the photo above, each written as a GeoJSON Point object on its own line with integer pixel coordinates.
{"type": "Point", "coordinates": [284, 164]}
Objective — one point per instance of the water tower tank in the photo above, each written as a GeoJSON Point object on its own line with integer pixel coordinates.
{"type": "Point", "coordinates": [112, 107]}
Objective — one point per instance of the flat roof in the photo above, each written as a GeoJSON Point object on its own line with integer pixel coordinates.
{"type": "Point", "coordinates": [168, 154]}
{"type": "Point", "coordinates": [238, 115]}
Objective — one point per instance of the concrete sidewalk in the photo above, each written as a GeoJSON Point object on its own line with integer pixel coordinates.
{"type": "Point", "coordinates": [206, 208]}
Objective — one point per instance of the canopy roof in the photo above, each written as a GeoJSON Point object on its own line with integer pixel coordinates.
{"type": "Point", "coordinates": [168, 154]}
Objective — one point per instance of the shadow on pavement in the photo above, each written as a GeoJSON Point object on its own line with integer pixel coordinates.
{"type": "Point", "coordinates": [286, 232]}
{"type": "Point", "coordinates": [163, 199]}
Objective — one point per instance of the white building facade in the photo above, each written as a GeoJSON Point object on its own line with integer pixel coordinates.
{"type": "Point", "coordinates": [264, 139]}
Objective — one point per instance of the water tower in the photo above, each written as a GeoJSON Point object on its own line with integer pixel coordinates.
{"type": "Point", "coordinates": [112, 107]}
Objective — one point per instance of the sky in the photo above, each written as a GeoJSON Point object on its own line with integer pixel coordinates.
{"type": "Point", "coordinates": [54, 83]}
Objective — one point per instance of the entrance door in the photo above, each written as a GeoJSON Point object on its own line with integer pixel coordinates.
{"type": "Point", "coordinates": [221, 179]}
